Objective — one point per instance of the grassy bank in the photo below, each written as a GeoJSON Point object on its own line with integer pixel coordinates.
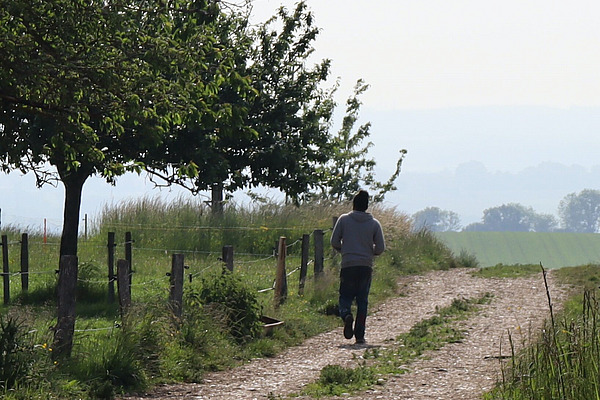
{"type": "Point", "coordinates": [220, 326]}
{"type": "Point", "coordinates": [562, 362]}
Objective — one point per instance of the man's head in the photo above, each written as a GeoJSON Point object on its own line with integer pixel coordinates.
{"type": "Point", "coordinates": [360, 202]}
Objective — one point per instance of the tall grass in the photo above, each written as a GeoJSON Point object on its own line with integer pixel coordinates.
{"type": "Point", "coordinates": [422, 251]}
{"type": "Point", "coordinates": [188, 224]}
{"type": "Point", "coordinates": [563, 361]}
{"type": "Point", "coordinates": [149, 346]}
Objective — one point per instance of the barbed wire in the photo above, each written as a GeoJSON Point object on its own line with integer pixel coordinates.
{"type": "Point", "coordinates": [150, 281]}
{"type": "Point", "coordinates": [255, 261]}
{"type": "Point", "coordinates": [94, 243]}
{"type": "Point", "coordinates": [167, 251]}
{"type": "Point", "coordinates": [116, 325]}
{"type": "Point", "coordinates": [207, 227]}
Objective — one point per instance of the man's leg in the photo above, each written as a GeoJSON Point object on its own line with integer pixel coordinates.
{"type": "Point", "coordinates": [347, 294]}
{"type": "Point", "coordinates": [362, 301]}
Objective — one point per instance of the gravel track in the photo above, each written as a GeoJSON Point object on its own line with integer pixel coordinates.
{"type": "Point", "coordinates": [462, 370]}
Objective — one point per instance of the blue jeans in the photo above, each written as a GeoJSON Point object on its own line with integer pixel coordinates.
{"type": "Point", "coordinates": [355, 283]}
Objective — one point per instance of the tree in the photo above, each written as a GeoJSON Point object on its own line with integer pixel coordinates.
{"type": "Point", "coordinates": [436, 220]}
{"type": "Point", "coordinates": [514, 217]}
{"type": "Point", "coordinates": [348, 168]}
{"type": "Point", "coordinates": [287, 117]}
{"type": "Point", "coordinates": [104, 87]}
{"type": "Point", "coordinates": [292, 112]}
{"type": "Point", "coordinates": [580, 212]}
{"type": "Point", "coordinates": [290, 118]}
{"type": "Point", "coordinates": [543, 222]}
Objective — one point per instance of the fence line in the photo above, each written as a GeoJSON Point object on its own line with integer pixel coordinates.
{"type": "Point", "coordinates": [67, 278]}
{"type": "Point", "coordinates": [208, 228]}
{"type": "Point", "coordinates": [164, 250]}
{"type": "Point", "coordinates": [129, 242]}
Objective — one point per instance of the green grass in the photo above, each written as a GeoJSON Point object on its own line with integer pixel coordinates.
{"type": "Point", "coordinates": [508, 271]}
{"type": "Point", "coordinates": [562, 360]}
{"type": "Point", "coordinates": [113, 354]}
{"type": "Point", "coordinates": [553, 250]}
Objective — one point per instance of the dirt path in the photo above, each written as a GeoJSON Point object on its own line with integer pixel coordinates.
{"type": "Point", "coordinates": [457, 371]}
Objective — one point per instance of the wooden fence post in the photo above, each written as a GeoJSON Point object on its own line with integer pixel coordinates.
{"type": "Point", "coordinates": [128, 254]}
{"type": "Point", "coordinates": [281, 277]}
{"type": "Point", "coordinates": [65, 326]}
{"type": "Point", "coordinates": [24, 262]}
{"type": "Point", "coordinates": [304, 263]}
{"type": "Point", "coordinates": [111, 267]}
{"type": "Point", "coordinates": [5, 269]}
{"type": "Point", "coordinates": [227, 257]}
{"type": "Point", "coordinates": [176, 281]}
{"type": "Point", "coordinates": [318, 238]}
{"type": "Point", "coordinates": [123, 285]}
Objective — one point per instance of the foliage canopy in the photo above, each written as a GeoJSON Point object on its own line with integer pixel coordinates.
{"type": "Point", "coordinates": [580, 212]}
{"type": "Point", "coordinates": [104, 87]}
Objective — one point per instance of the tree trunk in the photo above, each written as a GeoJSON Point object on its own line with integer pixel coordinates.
{"type": "Point", "coordinates": [73, 182]}
{"type": "Point", "coordinates": [216, 203]}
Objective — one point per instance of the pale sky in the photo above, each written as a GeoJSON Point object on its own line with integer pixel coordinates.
{"type": "Point", "coordinates": [427, 54]}
{"type": "Point", "coordinates": [511, 84]}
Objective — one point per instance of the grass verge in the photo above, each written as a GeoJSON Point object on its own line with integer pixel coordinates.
{"type": "Point", "coordinates": [562, 360]}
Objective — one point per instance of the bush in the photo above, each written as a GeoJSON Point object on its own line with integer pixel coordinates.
{"type": "Point", "coordinates": [467, 260]}
{"type": "Point", "coordinates": [109, 365]}
{"type": "Point", "coordinates": [422, 251]}
{"type": "Point", "coordinates": [231, 302]}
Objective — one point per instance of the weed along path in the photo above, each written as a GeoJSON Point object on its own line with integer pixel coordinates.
{"type": "Point", "coordinates": [461, 370]}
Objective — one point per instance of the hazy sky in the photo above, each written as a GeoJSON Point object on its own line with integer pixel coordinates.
{"type": "Point", "coordinates": [437, 53]}
{"type": "Point", "coordinates": [448, 79]}
{"type": "Point", "coordinates": [511, 84]}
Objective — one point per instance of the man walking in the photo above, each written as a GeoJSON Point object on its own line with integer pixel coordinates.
{"type": "Point", "coordinates": [359, 237]}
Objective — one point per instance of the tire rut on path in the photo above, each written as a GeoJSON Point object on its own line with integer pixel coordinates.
{"type": "Point", "coordinates": [457, 371]}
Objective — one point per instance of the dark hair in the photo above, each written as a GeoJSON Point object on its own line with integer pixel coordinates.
{"type": "Point", "coordinates": [360, 202]}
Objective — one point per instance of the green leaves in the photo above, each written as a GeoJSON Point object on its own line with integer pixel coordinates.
{"type": "Point", "coordinates": [102, 84]}
{"type": "Point", "coordinates": [348, 169]}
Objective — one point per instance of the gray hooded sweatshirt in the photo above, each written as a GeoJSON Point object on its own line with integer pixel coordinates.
{"type": "Point", "coordinates": [359, 237]}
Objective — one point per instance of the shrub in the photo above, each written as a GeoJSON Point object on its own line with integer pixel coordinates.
{"type": "Point", "coordinates": [467, 260]}
{"type": "Point", "coordinates": [110, 365]}
{"type": "Point", "coordinates": [422, 251]}
{"type": "Point", "coordinates": [233, 303]}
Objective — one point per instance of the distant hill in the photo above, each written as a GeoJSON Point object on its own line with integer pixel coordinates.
{"type": "Point", "coordinates": [469, 159]}
{"type": "Point", "coordinates": [553, 250]}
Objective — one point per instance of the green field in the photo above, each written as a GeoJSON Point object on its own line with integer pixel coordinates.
{"type": "Point", "coordinates": [553, 250]}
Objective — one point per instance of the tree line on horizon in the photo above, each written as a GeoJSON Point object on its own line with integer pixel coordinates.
{"type": "Point", "coordinates": [577, 212]}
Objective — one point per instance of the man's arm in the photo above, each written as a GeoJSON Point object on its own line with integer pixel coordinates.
{"type": "Point", "coordinates": [336, 236]}
{"type": "Point", "coordinates": [378, 240]}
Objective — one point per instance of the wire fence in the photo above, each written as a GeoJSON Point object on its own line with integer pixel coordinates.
{"type": "Point", "coordinates": [43, 251]}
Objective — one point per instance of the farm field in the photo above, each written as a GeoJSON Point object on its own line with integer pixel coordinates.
{"type": "Point", "coordinates": [553, 250]}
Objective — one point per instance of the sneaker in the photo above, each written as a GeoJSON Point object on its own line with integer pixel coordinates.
{"type": "Point", "coordinates": [360, 341]}
{"type": "Point", "coordinates": [348, 331]}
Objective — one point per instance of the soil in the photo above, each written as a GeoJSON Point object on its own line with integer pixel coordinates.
{"type": "Point", "coordinates": [463, 370]}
